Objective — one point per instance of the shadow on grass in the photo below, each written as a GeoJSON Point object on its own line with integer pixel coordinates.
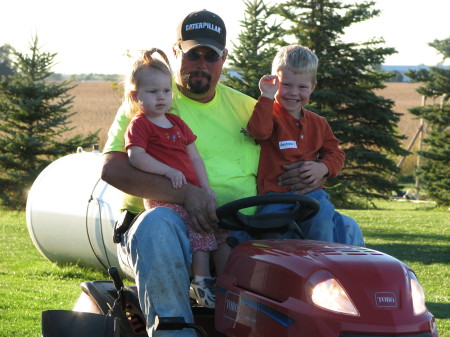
{"type": "Point", "coordinates": [439, 310]}
{"type": "Point", "coordinates": [425, 254]}
{"type": "Point", "coordinates": [410, 237]}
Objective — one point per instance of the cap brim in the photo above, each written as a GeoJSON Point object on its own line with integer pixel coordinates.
{"type": "Point", "coordinates": [189, 44]}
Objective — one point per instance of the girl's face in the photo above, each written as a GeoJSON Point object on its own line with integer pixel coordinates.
{"type": "Point", "coordinates": [294, 90]}
{"type": "Point", "coordinates": [153, 93]}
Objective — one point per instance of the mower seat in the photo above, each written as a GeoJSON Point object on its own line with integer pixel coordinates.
{"type": "Point", "coordinates": [64, 323]}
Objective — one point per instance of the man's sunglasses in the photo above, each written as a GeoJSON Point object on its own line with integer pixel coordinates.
{"type": "Point", "coordinates": [210, 57]}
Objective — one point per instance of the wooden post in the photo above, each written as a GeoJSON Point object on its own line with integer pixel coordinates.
{"type": "Point", "coordinates": [419, 157]}
{"type": "Point", "coordinates": [413, 140]}
{"type": "Point", "coordinates": [419, 132]}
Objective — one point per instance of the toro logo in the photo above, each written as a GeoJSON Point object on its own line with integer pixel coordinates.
{"type": "Point", "coordinates": [231, 307]}
{"type": "Point", "coordinates": [385, 300]}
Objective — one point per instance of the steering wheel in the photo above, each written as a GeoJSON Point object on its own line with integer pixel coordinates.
{"type": "Point", "coordinates": [267, 224]}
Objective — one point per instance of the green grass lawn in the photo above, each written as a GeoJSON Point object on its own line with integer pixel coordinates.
{"type": "Point", "coordinates": [414, 233]}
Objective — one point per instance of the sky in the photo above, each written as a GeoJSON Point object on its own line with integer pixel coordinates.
{"type": "Point", "coordinates": [94, 36]}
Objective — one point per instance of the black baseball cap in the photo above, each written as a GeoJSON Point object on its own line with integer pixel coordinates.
{"type": "Point", "coordinates": [202, 29]}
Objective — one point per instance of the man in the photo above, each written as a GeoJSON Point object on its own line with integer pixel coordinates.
{"type": "Point", "coordinates": [155, 251]}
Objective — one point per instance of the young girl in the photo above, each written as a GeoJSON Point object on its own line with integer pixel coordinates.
{"type": "Point", "coordinates": [161, 143]}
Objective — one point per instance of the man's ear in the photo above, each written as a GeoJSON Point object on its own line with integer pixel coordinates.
{"type": "Point", "coordinates": [314, 86]}
{"type": "Point", "coordinates": [175, 51]}
{"type": "Point", "coordinates": [224, 55]}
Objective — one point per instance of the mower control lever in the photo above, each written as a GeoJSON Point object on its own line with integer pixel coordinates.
{"type": "Point", "coordinates": [114, 273]}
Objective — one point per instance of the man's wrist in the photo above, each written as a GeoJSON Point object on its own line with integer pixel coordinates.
{"type": "Point", "coordinates": [188, 190]}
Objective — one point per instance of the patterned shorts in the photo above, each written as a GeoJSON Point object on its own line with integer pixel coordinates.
{"type": "Point", "coordinates": [199, 241]}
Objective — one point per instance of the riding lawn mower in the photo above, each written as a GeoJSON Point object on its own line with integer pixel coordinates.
{"type": "Point", "coordinates": [270, 286]}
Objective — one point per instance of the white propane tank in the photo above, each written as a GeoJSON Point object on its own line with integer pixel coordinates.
{"type": "Point", "coordinates": [71, 212]}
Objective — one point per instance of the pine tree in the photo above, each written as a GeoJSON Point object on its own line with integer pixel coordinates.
{"type": "Point", "coordinates": [34, 115]}
{"type": "Point", "coordinates": [348, 74]}
{"type": "Point", "coordinates": [253, 54]}
{"type": "Point", "coordinates": [435, 173]}
{"type": "Point", "coordinates": [5, 62]}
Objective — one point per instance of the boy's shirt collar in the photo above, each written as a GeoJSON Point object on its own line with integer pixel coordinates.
{"type": "Point", "coordinates": [279, 110]}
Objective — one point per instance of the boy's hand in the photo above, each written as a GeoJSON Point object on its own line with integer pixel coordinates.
{"type": "Point", "coordinates": [312, 172]}
{"type": "Point", "coordinates": [268, 84]}
{"type": "Point", "coordinates": [299, 176]}
{"type": "Point", "coordinates": [176, 177]}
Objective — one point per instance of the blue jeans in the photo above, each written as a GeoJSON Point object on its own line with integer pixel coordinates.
{"type": "Point", "coordinates": [327, 225]}
{"type": "Point", "coordinates": [156, 253]}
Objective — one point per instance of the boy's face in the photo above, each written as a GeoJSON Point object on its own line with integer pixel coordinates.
{"type": "Point", "coordinates": [294, 90]}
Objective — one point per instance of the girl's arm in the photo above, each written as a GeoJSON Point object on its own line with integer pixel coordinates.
{"type": "Point", "coordinates": [144, 162]}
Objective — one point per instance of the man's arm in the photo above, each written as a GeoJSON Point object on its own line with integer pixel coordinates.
{"type": "Point", "coordinates": [118, 172]}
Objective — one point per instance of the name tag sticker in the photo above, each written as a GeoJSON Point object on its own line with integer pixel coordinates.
{"type": "Point", "coordinates": [288, 144]}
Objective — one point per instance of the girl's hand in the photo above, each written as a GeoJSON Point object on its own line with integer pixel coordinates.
{"type": "Point", "coordinates": [176, 177]}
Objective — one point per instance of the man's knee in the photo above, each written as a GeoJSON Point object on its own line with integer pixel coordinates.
{"type": "Point", "coordinates": [159, 231]}
{"type": "Point", "coordinates": [160, 220]}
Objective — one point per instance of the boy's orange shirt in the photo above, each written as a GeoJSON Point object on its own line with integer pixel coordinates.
{"type": "Point", "coordinates": [285, 140]}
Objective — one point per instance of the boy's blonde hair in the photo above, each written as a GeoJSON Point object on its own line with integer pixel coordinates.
{"type": "Point", "coordinates": [145, 61]}
{"type": "Point", "coordinates": [297, 59]}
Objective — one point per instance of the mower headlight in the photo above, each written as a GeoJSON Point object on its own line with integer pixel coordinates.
{"type": "Point", "coordinates": [417, 294]}
{"type": "Point", "coordinates": [324, 291]}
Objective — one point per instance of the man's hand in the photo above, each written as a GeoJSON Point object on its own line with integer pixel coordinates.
{"type": "Point", "coordinates": [304, 176]}
{"type": "Point", "coordinates": [201, 207]}
{"type": "Point", "coordinates": [210, 191]}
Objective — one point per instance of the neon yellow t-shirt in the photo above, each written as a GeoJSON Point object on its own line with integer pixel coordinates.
{"type": "Point", "coordinates": [230, 155]}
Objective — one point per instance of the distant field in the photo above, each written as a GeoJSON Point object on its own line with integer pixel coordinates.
{"type": "Point", "coordinates": [97, 102]}
{"type": "Point", "coordinates": [405, 96]}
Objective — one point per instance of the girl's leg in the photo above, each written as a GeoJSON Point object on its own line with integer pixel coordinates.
{"type": "Point", "coordinates": [220, 257]}
{"type": "Point", "coordinates": [200, 263]}
{"type": "Point", "coordinates": [202, 287]}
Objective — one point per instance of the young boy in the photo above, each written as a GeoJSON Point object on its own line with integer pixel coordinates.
{"type": "Point", "coordinates": [289, 133]}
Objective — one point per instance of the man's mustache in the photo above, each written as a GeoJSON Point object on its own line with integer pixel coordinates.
{"type": "Point", "coordinates": [198, 73]}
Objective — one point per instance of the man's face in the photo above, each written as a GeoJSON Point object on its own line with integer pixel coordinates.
{"type": "Point", "coordinates": [199, 71]}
